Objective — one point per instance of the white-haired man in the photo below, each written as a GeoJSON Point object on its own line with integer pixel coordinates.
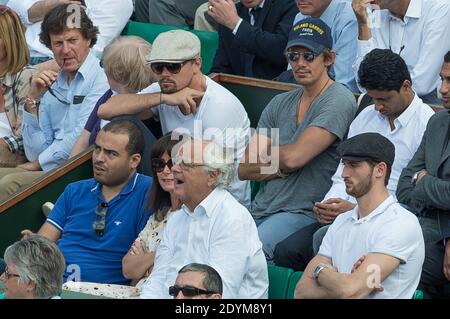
{"type": "Point", "coordinates": [211, 227]}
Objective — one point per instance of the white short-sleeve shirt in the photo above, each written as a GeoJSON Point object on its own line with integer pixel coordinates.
{"type": "Point", "coordinates": [391, 230]}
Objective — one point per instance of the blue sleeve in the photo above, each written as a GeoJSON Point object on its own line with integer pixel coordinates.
{"type": "Point", "coordinates": [58, 215]}
{"type": "Point", "coordinates": [37, 136]}
{"type": "Point", "coordinates": [59, 150]}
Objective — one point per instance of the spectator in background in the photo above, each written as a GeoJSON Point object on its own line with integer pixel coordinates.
{"type": "Point", "coordinates": [34, 269]}
{"type": "Point", "coordinates": [339, 16]}
{"type": "Point", "coordinates": [168, 12]}
{"type": "Point", "coordinates": [398, 114]}
{"type": "Point", "coordinates": [14, 86]}
{"type": "Point", "coordinates": [58, 104]}
{"type": "Point", "coordinates": [125, 66]}
{"type": "Point", "coordinates": [252, 36]}
{"type": "Point", "coordinates": [424, 187]}
{"type": "Point", "coordinates": [302, 129]}
{"type": "Point", "coordinates": [197, 281]}
{"type": "Point", "coordinates": [211, 227]}
{"type": "Point", "coordinates": [415, 29]}
{"type": "Point", "coordinates": [109, 16]}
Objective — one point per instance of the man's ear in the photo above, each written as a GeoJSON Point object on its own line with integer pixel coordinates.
{"type": "Point", "coordinates": [212, 178]}
{"type": "Point", "coordinates": [330, 58]}
{"type": "Point", "coordinates": [135, 159]}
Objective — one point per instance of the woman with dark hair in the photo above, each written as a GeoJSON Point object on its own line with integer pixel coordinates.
{"type": "Point", "coordinates": [138, 262]}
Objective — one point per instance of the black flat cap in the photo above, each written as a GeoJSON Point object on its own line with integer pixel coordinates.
{"type": "Point", "coordinates": [367, 146]}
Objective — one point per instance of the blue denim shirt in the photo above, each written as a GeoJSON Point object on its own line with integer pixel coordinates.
{"type": "Point", "coordinates": [339, 16]}
{"type": "Point", "coordinates": [50, 138]}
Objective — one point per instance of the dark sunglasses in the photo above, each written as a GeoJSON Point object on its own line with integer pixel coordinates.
{"type": "Point", "coordinates": [100, 219]}
{"type": "Point", "coordinates": [173, 68]}
{"type": "Point", "coordinates": [188, 291]}
{"type": "Point", "coordinates": [294, 56]}
{"type": "Point", "coordinates": [158, 164]}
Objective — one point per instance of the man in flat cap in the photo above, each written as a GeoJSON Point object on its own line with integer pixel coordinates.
{"type": "Point", "coordinates": [375, 250]}
{"type": "Point", "coordinates": [186, 101]}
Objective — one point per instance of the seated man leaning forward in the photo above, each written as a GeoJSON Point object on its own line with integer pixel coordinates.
{"type": "Point", "coordinates": [377, 249]}
{"type": "Point", "coordinates": [59, 104]}
{"type": "Point", "coordinates": [95, 221]}
{"type": "Point", "coordinates": [211, 228]}
{"type": "Point", "coordinates": [186, 100]}
{"type": "Point", "coordinates": [302, 129]}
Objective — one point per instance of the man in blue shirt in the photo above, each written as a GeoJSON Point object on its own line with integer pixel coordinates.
{"type": "Point", "coordinates": [95, 221]}
{"type": "Point", "coordinates": [339, 16]}
{"type": "Point", "coordinates": [59, 104]}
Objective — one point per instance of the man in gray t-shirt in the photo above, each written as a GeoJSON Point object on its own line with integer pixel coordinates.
{"type": "Point", "coordinates": [311, 121]}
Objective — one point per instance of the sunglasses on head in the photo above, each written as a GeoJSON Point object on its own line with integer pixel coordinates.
{"type": "Point", "coordinates": [294, 56]}
{"type": "Point", "coordinates": [188, 291]}
{"type": "Point", "coordinates": [100, 219]}
{"type": "Point", "coordinates": [173, 68]}
{"type": "Point", "coordinates": [158, 164]}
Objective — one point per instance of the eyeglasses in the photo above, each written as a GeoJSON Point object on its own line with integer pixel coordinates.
{"type": "Point", "coordinates": [158, 164]}
{"type": "Point", "coordinates": [60, 99]}
{"type": "Point", "coordinates": [294, 56]}
{"type": "Point", "coordinates": [8, 275]}
{"type": "Point", "coordinates": [100, 219]}
{"type": "Point", "coordinates": [188, 291]}
{"type": "Point", "coordinates": [173, 68]}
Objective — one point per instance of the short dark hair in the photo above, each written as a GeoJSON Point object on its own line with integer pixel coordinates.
{"type": "Point", "coordinates": [383, 70]}
{"type": "Point", "coordinates": [373, 163]}
{"type": "Point", "coordinates": [447, 57]}
{"type": "Point", "coordinates": [60, 18]}
{"type": "Point", "coordinates": [159, 199]}
{"type": "Point", "coordinates": [211, 278]}
{"type": "Point", "coordinates": [135, 138]}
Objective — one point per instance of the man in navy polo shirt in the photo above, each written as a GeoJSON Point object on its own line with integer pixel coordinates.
{"type": "Point", "coordinates": [95, 221]}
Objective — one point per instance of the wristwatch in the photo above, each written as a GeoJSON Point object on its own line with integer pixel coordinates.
{"type": "Point", "coordinates": [318, 269]}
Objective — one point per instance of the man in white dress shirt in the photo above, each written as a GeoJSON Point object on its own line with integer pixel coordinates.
{"type": "Point", "coordinates": [415, 29]}
{"type": "Point", "coordinates": [398, 114]}
{"type": "Point", "coordinates": [377, 249]}
{"type": "Point", "coordinates": [210, 228]}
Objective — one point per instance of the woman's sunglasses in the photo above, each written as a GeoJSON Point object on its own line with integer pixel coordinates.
{"type": "Point", "coordinates": [158, 164]}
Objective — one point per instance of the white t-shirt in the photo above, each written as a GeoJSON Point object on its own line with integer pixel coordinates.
{"type": "Point", "coordinates": [391, 230]}
{"type": "Point", "coordinates": [221, 117]}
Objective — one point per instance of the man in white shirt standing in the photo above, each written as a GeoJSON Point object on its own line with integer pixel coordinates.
{"type": "Point", "coordinates": [376, 250]}
{"type": "Point", "coordinates": [110, 17]}
{"type": "Point", "coordinates": [398, 114]}
{"type": "Point", "coordinates": [415, 29]}
{"type": "Point", "coordinates": [211, 227]}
